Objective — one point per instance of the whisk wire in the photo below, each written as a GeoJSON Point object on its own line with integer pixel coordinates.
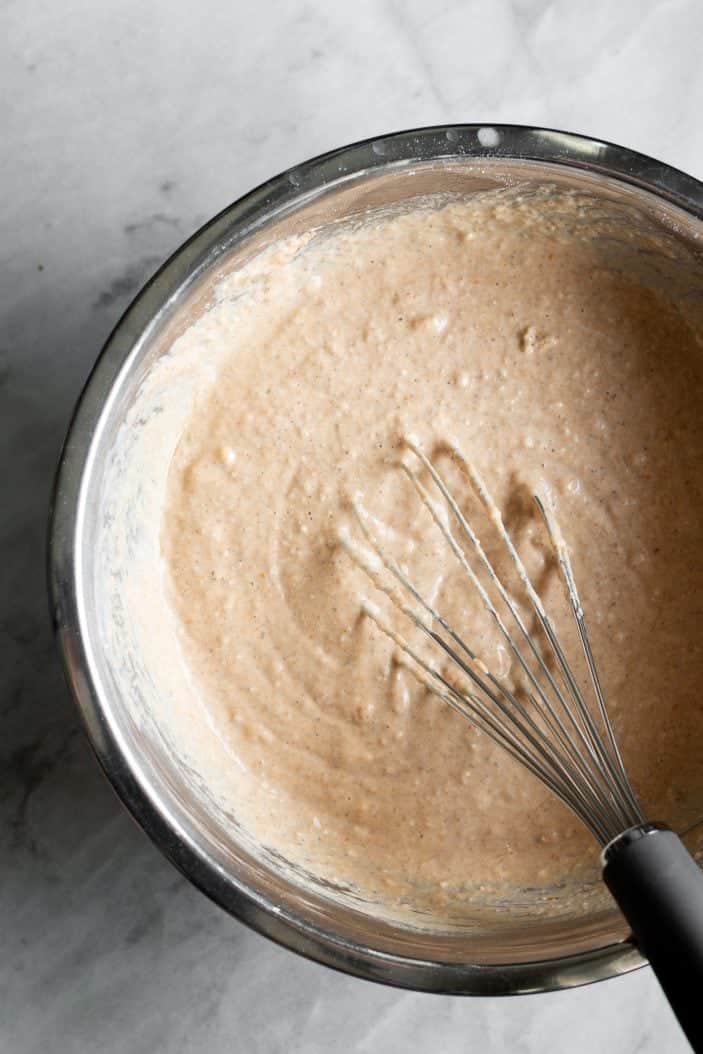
{"type": "Point", "coordinates": [475, 710]}
{"type": "Point", "coordinates": [617, 767]}
{"type": "Point", "coordinates": [467, 529]}
{"type": "Point", "coordinates": [557, 738]}
{"type": "Point", "coordinates": [550, 717]}
{"type": "Point", "coordinates": [587, 735]}
{"type": "Point", "coordinates": [574, 786]}
{"type": "Point", "coordinates": [545, 747]}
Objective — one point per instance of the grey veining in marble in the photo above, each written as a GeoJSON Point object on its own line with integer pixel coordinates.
{"type": "Point", "coordinates": [125, 125]}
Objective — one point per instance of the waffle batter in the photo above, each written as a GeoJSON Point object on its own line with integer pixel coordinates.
{"type": "Point", "coordinates": [484, 322]}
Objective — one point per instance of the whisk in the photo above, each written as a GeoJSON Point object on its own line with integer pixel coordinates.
{"type": "Point", "coordinates": [559, 730]}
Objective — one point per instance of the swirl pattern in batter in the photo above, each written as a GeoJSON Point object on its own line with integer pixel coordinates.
{"type": "Point", "coordinates": [481, 321]}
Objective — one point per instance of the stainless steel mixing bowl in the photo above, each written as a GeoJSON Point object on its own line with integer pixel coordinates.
{"type": "Point", "coordinates": [153, 782]}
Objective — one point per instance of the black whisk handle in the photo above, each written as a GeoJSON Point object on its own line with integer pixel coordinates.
{"type": "Point", "coordinates": [659, 889]}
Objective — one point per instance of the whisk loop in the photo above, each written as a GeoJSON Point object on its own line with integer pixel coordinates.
{"type": "Point", "coordinates": [553, 731]}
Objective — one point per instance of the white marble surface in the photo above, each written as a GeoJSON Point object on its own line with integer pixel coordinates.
{"type": "Point", "coordinates": [124, 125]}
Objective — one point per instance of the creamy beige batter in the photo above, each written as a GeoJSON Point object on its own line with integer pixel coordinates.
{"type": "Point", "coordinates": [479, 321]}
